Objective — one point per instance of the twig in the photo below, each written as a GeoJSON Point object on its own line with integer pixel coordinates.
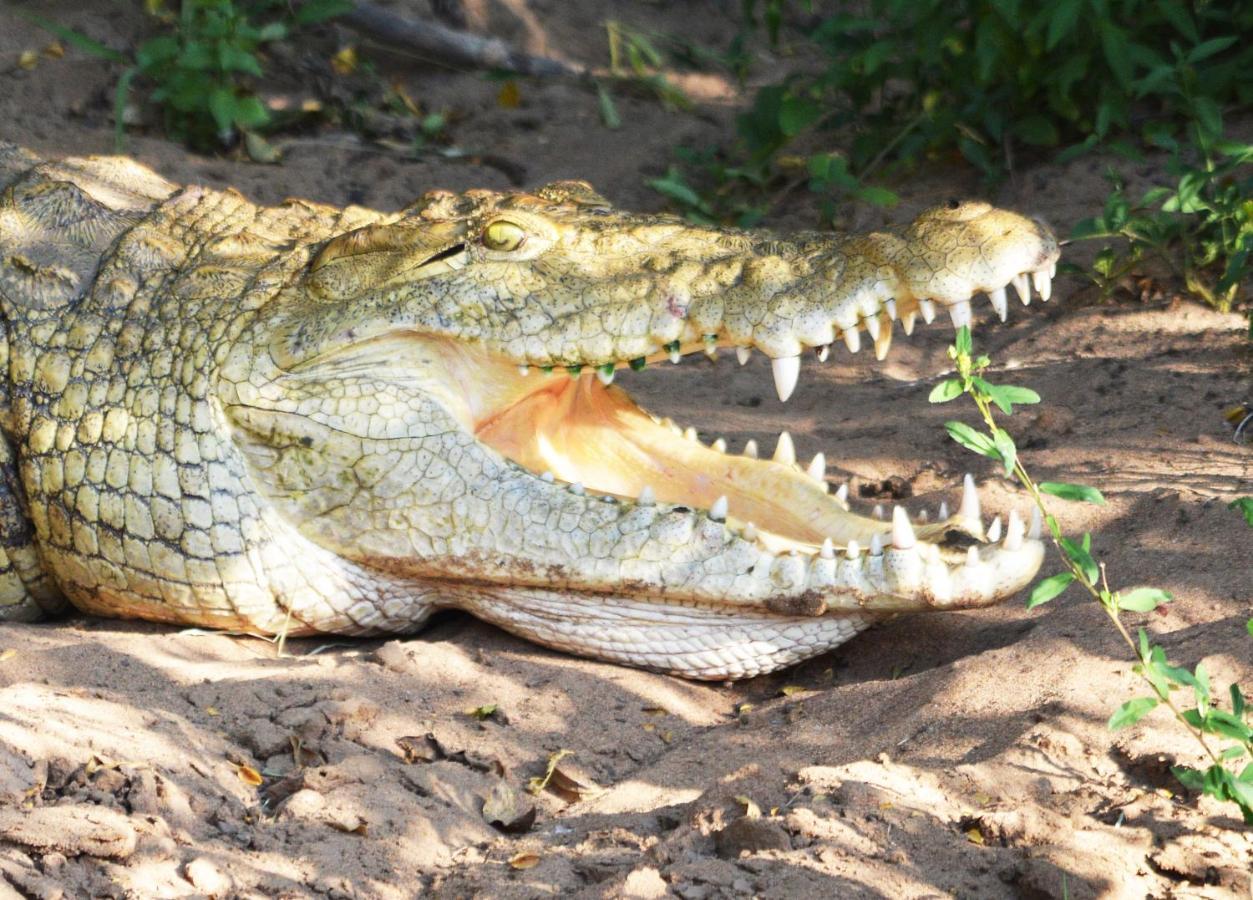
{"type": "Point", "coordinates": [448, 46]}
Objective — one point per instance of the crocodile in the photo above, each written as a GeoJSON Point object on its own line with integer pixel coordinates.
{"type": "Point", "coordinates": [301, 419]}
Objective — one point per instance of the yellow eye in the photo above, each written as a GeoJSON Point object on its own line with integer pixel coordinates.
{"type": "Point", "coordinates": [503, 236]}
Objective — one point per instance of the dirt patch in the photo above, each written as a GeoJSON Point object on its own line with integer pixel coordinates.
{"type": "Point", "coordinates": [962, 754]}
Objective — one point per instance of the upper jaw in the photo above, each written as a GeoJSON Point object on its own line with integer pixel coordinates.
{"type": "Point", "coordinates": [785, 297]}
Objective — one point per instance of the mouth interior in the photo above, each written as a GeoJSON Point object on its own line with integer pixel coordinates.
{"type": "Point", "coordinates": [584, 432]}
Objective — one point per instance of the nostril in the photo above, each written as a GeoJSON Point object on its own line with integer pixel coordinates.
{"type": "Point", "coordinates": [952, 203]}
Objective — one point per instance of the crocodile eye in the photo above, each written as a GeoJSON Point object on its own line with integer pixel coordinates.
{"type": "Point", "coordinates": [503, 236]}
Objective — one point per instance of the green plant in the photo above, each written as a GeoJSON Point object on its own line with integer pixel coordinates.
{"type": "Point", "coordinates": [1204, 717]}
{"type": "Point", "coordinates": [901, 81]}
{"type": "Point", "coordinates": [1200, 228]}
{"type": "Point", "coordinates": [200, 68]}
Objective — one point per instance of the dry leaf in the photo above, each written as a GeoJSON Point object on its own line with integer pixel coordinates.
{"type": "Point", "coordinates": [975, 836]}
{"type": "Point", "coordinates": [345, 61]}
{"type": "Point", "coordinates": [212, 711]}
{"type": "Point", "coordinates": [655, 710]}
{"type": "Point", "coordinates": [524, 860]}
{"type": "Point", "coordinates": [790, 689]}
{"type": "Point", "coordinates": [54, 50]}
{"type": "Point", "coordinates": [249, 775]}
{"type": "Point", "coordinates": [486, 711]}
{"type": "Point", "coordinates": [537, 784]}
{"type": "Point", "coordinates": [509, 95]}
{"type": "Point", "coordinates": [507, 810]}
{"type": "Point", "coordinates": [745, 708]}
{"type": "Point", "coordinates": [751, 809]}
{"type": "Point", "coordinates": [28, 60]}
{"type": "Point", "coordinates": [7, 653]}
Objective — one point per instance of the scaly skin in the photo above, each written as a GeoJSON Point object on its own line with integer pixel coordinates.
{"type": "Point", "coordinates": [303, 419]}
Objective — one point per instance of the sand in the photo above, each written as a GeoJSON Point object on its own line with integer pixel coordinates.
{"type": "Point", "coordinates": [961, 755]}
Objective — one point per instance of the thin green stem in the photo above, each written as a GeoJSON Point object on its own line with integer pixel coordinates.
{"type": "Point", "coordinates": [1111, 609]}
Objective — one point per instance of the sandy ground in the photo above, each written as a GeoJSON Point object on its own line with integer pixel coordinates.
{"type": "Point", "coordinates": [956, 755]}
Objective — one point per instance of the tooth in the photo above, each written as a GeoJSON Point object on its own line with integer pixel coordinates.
{"type": "Point", "coordinates": [923, 516]}
{"type": "Point", "coordinates": [743, 354]}
{"type": "Point", "coordinates": [907, 321]}
{"type": "Point", "coordinates": [841, 493]}
{"type": "Point", "coordinates": [718, 512]}
{"type": "Point", "coordinates": [872, 326]}
{"type": "Point", "coordinates": [828, 549]}
{"type": "Point", "coordinates": [852, 339]}
{"type": "Point", "coordinates": [750, 449]}
{"type": "Point", "coordinates": [749, 532]}
{"type": "Point", "coordinates": [960, 313]}
{"type": "Point", "coordinates": [889, 306]}
{"type": "Point", "coordinates": [927, 308]}
{"type": "Point", "coordinates": [1042, 283]}
{"type": "Point", "coordinates": [720, 445]}
{"type": "Point", "coordinates": [1000, 303]}
{"type": "Point", "coordinates": [690, 433]}
{"type": "Point", "coordinates": [994, 530]}
{"type": "Point", "coordinates": [605, 374]}
{"type": "Point", "coordinates": [711, 350]}
{"type": "Point", "coordinates": [1034, 531]}
{"type": "Point", "coordinates": [675, 356]}
{"type": "Point", "coordinates": [1023, 288]}
{"type": "Point", "coordinates": [823, 352]}
{"type": "Point", "coordinates": [852, 550]}
{"type": "Point", "coordinates": [1053, 269]}
{"type": "Point", "coordinates": [647, 496]}
{"type": "Point", "coordinates": [902, 531]}
{"type": "Point", "coordinates": [882, 342]}
{"type": "Point", "coordinates": [969, 510]}
{"type": "Point", "coordinates": [576, 487]}
{"type": "Point", "coordinates": [524, 369]}
{"type": "Point", "coordinates": [548, 476]}
{"type": "Point", "coordinates": [818, 468]}
{"type": "Point", "coordinates": [784, 451]}
{"type": "Point", "coordinates": [942, 514]}
{"type": "Point", "coordinates": [787, 370]}
{"type": "Point", "coordinates": [876, 544]}
{"type": "Point", "coordinates": [877, 512]}
{"type": "Point", "coordinates": [972, 556]}
{"type": "Point", "coordinates": [1014, 531]}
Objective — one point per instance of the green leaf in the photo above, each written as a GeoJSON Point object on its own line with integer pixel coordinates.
{"type": "Point", "coordinates": [250, 113]}
{"type": "Point", "coordinates": [1190, 778]}
{"type": "Point", "coordinates": [877, 196]}
{"type": "Point", "coordinates": [1072, 491]}
{"type": "Point", "coordinates": [972, 440]}
{"type": "Point", "coordinates": [314, 11]}
{"type": "Point", "coordinates": [1080, 556]}
{"type": "Point", "coordinates": [1208, 48]}
{"type": "Point", "coordinates": [74, 38]}
{"type": "Point", "coordinates": [1131, 712]}
{"type": "Point", "coordinates": [608, 110]}
{"type": "Point", "coordinates": [1049, 588]}
{"type": "Point", "coordinates": [1006, 448]}
{"type": "Point", "coordinates": [962, 340]}
{"type": "Point", "coordinates": [1037, 130]}
{"type": "Point", "coordinates": [795, 113]}
{"type": "Point", "coordinates": [1225, 724]}
{"type": "Point", "coordinates": [1144, 599]}
{"type": "Point", "coordinates": [1006, 395]}
{"type": "Point", "coordinates": [1065, 15]}
{"type": "Point", "coordinates": [1245, 506]}
{"type": "Point", "coordinates": [945, 391]}
{"type": "Point", "coordinates": [222, 106]}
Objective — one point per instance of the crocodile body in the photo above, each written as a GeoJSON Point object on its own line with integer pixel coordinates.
{"type": "Point", "coordinates": [302, 419]}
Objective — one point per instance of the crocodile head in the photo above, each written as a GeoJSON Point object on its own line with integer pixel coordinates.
{"type": "Point", "coordinates": [433, 401]}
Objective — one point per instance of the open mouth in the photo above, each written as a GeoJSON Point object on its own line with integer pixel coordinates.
{"type": "Point", "coordinates": [572, 425]}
